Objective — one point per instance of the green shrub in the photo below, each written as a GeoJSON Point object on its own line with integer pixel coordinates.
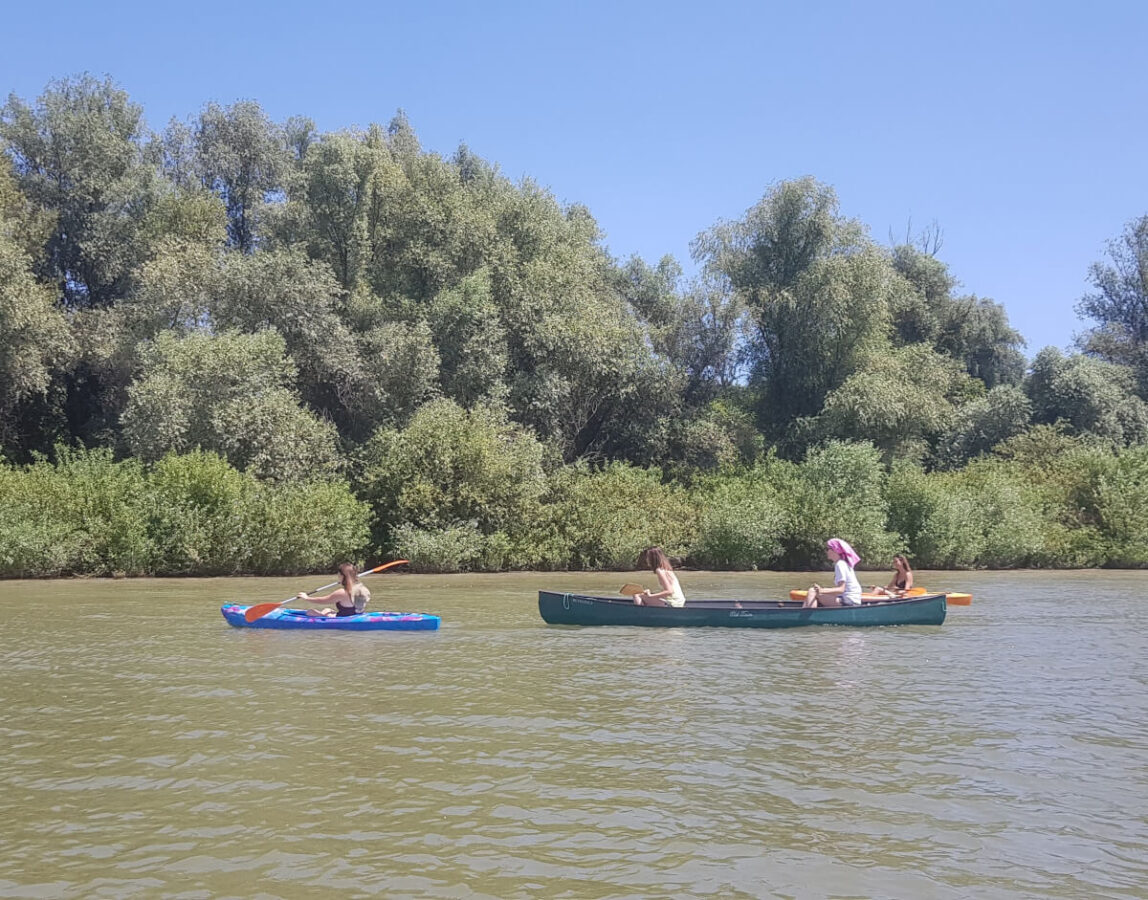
{"type": "Point", "coordinates": [837, 492]}
{"type": "Point", "coordinates": [741, 522]}
{"type": "Point", "coordinates": [86, 514]}
{"type": "Point", "coordinates": [454, 549]}
{"type": "Point", "coordinates": [305, 527]}
{"type": "Point", "coordinates": [1122, 506]}
{"type": "Point", "coordinates": [451, 466]}
{"type": "Point", "coordinates": [607, 517]}
{"type": "Point", "coordinates": [987, 514]}
{"type": "Point", "coordinates": [1104, 495]}
{"type": "Point", "coordinates": [200, 519]}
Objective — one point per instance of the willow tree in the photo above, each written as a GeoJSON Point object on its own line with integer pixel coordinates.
{"type": "Point", "coordinates": [899, 400]}
{"type": "Point", "coordinates": [35, 342]}
{"type": "Point", "coordinates": [817, 293]}
{"type": "Point", "coordinates": [243, 157]}
{"type": "Point", "coordinates": [229, 393]}
{"type": "Point", "coordinates": [1119, 302]}
{"type": "Point", "coordinates": [79, 155]}
{"type": "Point", "coordinates": [521, 299]}
{"type": "Point", "coordinates": [1087, 396]}
{"type": "Point", "coordinates": [974, 330]}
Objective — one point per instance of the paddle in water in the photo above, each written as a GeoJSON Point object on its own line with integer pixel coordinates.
{"type": "Point", "coordinates": [259, 610]}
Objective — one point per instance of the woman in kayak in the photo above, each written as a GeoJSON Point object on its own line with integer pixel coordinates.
{"type": "Point", "coordinates": [349, 600]}
{"type": "Point", "coordinates": [671, 592]}
{"type": "Point", "coordinates": [846, 590]}
{"type": "Point", "coordinates": [902, 578]}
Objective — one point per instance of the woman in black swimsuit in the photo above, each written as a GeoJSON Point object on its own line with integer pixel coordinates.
{"type": "Point", "coordinates": [902, 578]}
{"type": "Point", "coordinates": [349, 599]}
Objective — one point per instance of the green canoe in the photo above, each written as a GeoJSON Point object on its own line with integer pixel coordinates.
{"type": "Point", "coordinates": [579, 609]}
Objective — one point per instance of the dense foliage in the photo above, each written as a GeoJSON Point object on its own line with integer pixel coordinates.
{"type": "Point", "coordinates": [246, 346]}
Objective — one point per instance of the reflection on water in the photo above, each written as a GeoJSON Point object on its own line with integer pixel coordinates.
{"type": "Point", "coordinates": [150, 750]}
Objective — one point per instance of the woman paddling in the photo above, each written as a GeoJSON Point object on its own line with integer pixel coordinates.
{"type": "Point", "coordinates": [671, 592]}
{"type": "Point", "coordinates": [902, 579]}
{"type": "Point", "coordinates": [846, 590]}
{"type": "Point", "coordinates": [350, 599]}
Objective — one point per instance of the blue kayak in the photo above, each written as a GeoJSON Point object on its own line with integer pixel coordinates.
{"type": "Point", "coordinates": [298, 619]}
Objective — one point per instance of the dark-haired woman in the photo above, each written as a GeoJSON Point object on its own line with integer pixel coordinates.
{"type": "Point", "coordinates": [902, 578]}
{"type": "Point", "coordinates": [671, 593]}
{"type": "Point", "coordinates": [349, 599]}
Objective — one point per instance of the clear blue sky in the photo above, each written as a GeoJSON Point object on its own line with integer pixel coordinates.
{"type": "Point", "coordinates": [1019, 127]}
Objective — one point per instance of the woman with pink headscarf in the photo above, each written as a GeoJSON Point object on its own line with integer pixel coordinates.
{"type": "Point", "coordinates": [846, 590]}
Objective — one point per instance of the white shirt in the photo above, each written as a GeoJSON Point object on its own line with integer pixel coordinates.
{"type": "Point", "coordinates": [843, 574]}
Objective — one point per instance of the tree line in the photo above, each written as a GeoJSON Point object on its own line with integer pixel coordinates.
{"type": "Point", "coordinates": [240, 345]}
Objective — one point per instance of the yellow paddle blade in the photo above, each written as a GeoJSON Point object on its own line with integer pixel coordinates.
{"type": "Point", "coordinates": [630, 589]}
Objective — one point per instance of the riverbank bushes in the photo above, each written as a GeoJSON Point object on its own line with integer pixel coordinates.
{"type": "Point", "coordinates": [194, 514]}
{"type": "Point", "coordinates": [86, 514]}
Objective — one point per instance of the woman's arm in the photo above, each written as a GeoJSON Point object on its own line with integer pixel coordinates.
{"type": "Point", "coordinates": [302, 595]}
{"type": "Point", "coordinates": [838, 586]}
{"type": "Point", "coordinates": [667, 586]}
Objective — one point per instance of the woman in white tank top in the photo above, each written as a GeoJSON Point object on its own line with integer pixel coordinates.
{"type": "Point", "coordinates": [671, 592]}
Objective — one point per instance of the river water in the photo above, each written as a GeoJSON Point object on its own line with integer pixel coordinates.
{"type": "Point", "coordinates": [149, 750]}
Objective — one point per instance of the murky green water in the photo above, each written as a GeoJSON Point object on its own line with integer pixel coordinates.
{"type": "Point", "coordinates": [149, 750]}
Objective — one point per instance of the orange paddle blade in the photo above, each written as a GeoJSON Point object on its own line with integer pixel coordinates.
{"type": "Point", "coordinates": [259, 610]}
{"type": "Point", "coordinates": [959, 599]}
{"type": "Point", "coordinates": [630, 589]}
{"type": "Point", "coordinates": [393, 562]}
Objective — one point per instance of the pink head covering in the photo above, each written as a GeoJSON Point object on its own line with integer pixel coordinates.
{"type": "Point", "coordinates": [842, 549]}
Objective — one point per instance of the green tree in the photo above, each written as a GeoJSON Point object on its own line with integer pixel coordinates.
{"type": "Point", "coordinates": [973, 330]}
{"type": "Point", "coordinates": [976, 331]}
{"type": "Point", "coordinates": [900, 401]}
{"type": "Point", "coordinates": [1088, 395]}
{"type": "Point", "coordinates": [697, 328]}
{"type": "Point", "coordinates": [471, 341]}
{"type": "Point", "coordinates": [816, 289]}
{"type": "Point", "coordinates": [343, 176]}
{"type": "Point", "coordinates": [243, 157]}
{"type": "Point", "coordinates": [229, 393]}
{"type": "Point", "coordinates": [1119, 302]}
{"type": "Point", "coordinates": [982, 423]}
{"type": "Point", "coordinates": [79, 157]}
{"type": "Point", "coordinates": [35, 341]}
